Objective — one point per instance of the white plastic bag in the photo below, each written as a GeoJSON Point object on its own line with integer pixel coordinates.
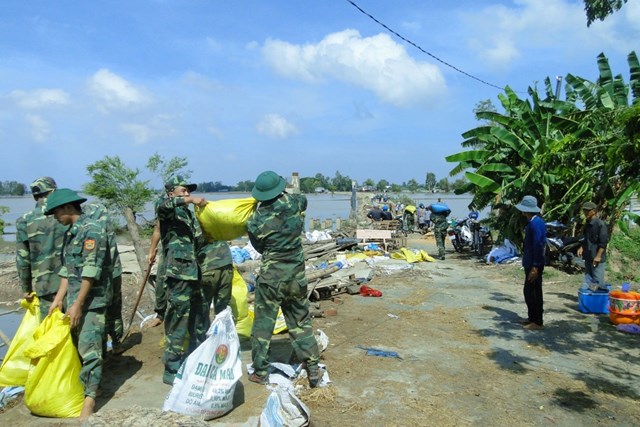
{"type": "Point", "coordinates": [206, 381]}
{"type": "Point", "coordinates": [283, 408]}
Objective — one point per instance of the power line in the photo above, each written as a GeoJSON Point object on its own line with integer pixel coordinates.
{"type": "Point", "coordinates": [421, 49]}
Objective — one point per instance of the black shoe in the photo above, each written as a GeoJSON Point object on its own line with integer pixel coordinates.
{"type": "Point", "coordinates": [315, 377]}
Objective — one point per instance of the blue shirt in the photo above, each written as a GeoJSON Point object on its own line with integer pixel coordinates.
{"type": "Point", "coordinates": [535, 237]}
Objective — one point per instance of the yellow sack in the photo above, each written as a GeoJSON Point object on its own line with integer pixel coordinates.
{"type": "Point", "coordinates": [410, 208]}
{"type": "Point", "coordinates": [281, 324]}
{"type": "Point", "coordinates": [16, 365]}
{"type": "Point", "coordinates": [53, 388]}
{"type": "Point", "coordinates": [226, 219]}
{"type": "Point", "coordinates": [411, 256]}
{"type": "Point", "coordinates": [239, 305]}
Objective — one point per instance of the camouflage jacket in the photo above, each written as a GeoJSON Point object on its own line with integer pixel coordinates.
{"type": "Point", "coordinates": [179, 234]}
{"type": "Point", "coordinates": [213, 255]}
{"type": "Point", "coordinates": [86, 255]}
{"type": "Point", "coordinates": [275, 231]}
{"type": "Point", "coordinates": [39, 240]}
{"type": "Point", "coordinates": [100, 213]}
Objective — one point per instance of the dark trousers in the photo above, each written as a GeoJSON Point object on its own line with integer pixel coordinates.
{"type": "Point", "coordinates": [533, 297]}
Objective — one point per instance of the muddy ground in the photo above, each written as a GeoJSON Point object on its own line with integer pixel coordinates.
{"type": "Point", "coordinates": [464, 359]}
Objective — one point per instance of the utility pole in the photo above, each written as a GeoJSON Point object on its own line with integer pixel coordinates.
{"type": "Point", "coordinates": [558, 83]}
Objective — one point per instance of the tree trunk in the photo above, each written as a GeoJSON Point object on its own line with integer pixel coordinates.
{"type": "Point", "coordinates": [135, 237]}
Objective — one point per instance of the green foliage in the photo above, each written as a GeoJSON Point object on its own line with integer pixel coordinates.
{"type": "Point", "coordinates": [430, 181]}
{"type": "Point", "coordinates": [600, 9]}
{"type": "Point", "coordinates": [382, 185]}
{"type": "Point", "coordinates": [3, 210]}
{"type": "Point", "coordinates": [444, 185]}
{"type": "Point", "coordinates": [563, 152]}
{"type": "Point", "coordinates": [395, 188]}
{"type": "Point", "coordinates": [247, 186]}
{"type": "Point", "coordinates": [413, 185]}
{"type": "Point", "coordinates": [117, 186]}
{"type": "Point", "coordinates": [12, 188]}
{"type": "Point", "coordinates": [168, 168]}
{"type": "Point", "coordinates": [623, 254]}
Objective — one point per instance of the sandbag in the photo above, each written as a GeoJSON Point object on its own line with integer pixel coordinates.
{"type": "Point", "coordinates": [15, 367]}
{"type": "Point", "coordinates": [225, 219]}
{"type": "Point", "coordinates": [239, 305]}
{"type": "Point", "coordinates": [440, 209]}
{"type": "Point", "coordinates": [206, 381]}
{"type": "Point", "coordinates": [53, 387]}
{"type": "Point", "coordinates": [284, 408]}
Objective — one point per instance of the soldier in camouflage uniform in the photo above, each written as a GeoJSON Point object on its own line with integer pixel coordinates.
{"type": "Point", "coordinates": [39, 242]}
{"type": "Point", "coordinates": [114, 325]}
{"type": "Point", "coordinates": [86, 273]}
{"type": "Point", "coordinates": [440, 225]}
{"type": "Point", "coordinates": [186, 309]}
{"type": "Point", "coordinates": [216, 266]}
{"type": "Point", "coordinates": [275, 231]}
{"type": "Point", "coordinates": [160, 286]}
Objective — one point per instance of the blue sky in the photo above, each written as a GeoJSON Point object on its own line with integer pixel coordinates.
{"type": "Point", "coordinates": [239, 87]}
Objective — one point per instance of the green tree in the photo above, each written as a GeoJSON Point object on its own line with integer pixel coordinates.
{"type": "Point", "coordinates": [3, 210]}
{"type": "Point", "coordinates": [119, 188]}
{"type": "Point", "coordinates": [600, 9]}
{"type": "Point", "coordinates": [443, 185]}
{"type": "Point", "coordinates": [369, 182]}
{"type": "Point", "coordinates": [382, 185]}
{"type": "Point", "coordinates": [458, 184]}
{"type": "Point", "coordinates": [395, 188]}
{"type": "Point", "coordinates": [430, 181]}
{"type": "Point", "coordinates": [166, 169]}
{"type": "Point", "coordinates": [413, 185]}
{"type": "Point", "coordinates": [561, 151]}
{"type": "Point", "coordinates": [341, 182]}
{"type": "Point", "coordinates": [244, 186]}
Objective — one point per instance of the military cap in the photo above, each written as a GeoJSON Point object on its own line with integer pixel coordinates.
{"type": "Point", "coordinates": [587, 206]}
{"type": "Point", "coordinates": [179, 181]}
{"type": "Point", "coordinates": [61, 197]}
{"type": "Point", "coordinates": [43, 185]}
{"type": "Point", "coordinates": [268, 185]}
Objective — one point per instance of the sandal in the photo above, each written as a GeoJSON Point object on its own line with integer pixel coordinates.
{"type": "Point", "coordinates": [255, 378]}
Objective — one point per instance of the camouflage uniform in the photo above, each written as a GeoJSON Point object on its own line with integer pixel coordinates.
{"type": "Point", "coordinates": [186, 309]}
{"type": "Point", "coordinates": [160, 286]}
{"type": "Point", "coordinates": [216, 266]}
{"type": "Point", "coordinates": [39, 240]}
{"type": "Point", "coordinates": [86, 254]}
{"type": "Point", "coordinates": [440, 225]}
{"type": "Point", "coordinates": [114, 325]}
{"type": "Point", "coordinates": [274, 230]}
{"type": "Point", "coordinates": [409, 221]}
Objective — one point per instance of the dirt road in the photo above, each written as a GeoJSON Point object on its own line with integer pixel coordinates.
{"type": "Point", "coordinates": [464, 359]}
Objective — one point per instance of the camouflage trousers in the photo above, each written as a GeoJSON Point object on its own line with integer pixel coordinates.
{"type": "Point", "coordinates": [161, 290]}
{"type": "Point", "coordinates": [184, 320]}
{"type": "Point", "coordinates": [88, 338]}
{"type": "Point", "coordinates": [114, 324]}
{"type": "Point", "coordinates": [292, 298]}
{"type": "Point", "coordinates": [45, 303]}
{"type": "Point", "coordinates": [216, 287]}
{"type": "Point", "coordinates": [440, 226]}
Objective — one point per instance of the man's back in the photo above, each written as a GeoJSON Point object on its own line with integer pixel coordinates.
{"type": "Point", "coordinates": [39, 241]}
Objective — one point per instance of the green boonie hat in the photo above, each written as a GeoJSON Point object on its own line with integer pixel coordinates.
{"type": "Point", "coordinates": [587, 206]}
{"type": "Point", "coordinates": [179, 181]}
{"type": "Point", "coordinates": [43, 185]}
{"type": "Point", "coordinates": [61, 197]}
{"type": "Point", "coordinates": [268, 185]}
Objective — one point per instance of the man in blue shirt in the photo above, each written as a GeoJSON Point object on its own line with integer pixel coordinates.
{"type": "Point", "coordinates": [535, 236]}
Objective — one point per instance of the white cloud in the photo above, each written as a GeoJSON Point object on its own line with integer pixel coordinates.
{"type": "Point", "coordinates": [115, 92]}
{"type": "Point", "coordinates": [39, 98]}
{"type": "Point", "coordinates": [141, 134]}
{"type": "Point", "coordinates": [501, 34]}
{"type": "Point", "coordinates": [374, 63]}
{"type": "Point", "coordinates": [40, 128]}
{"type": "Point", "coordinates": [276, 126]}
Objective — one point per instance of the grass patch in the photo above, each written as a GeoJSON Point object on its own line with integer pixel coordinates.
{"type": "Point", "coordinates": [623, 255]}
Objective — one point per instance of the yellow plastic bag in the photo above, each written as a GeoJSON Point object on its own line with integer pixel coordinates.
{"type": "Point", "coordinates": [411, 256]}
{"type": "Point", "coordinates": [226, 219]}
{"type": "Point", "coordinates": [281, 324]}
{"type": "Point", "coordinates": [15, 367]}
{"type": "Point", "coordinates": [239, 305]}
{"type": "Point", "coordinates": [53, 388]}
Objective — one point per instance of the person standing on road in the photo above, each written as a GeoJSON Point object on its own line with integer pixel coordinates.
{"type": "Point", "coordinates": [439, 213]}
{"type": "Point", "coordinates": [535, 236]}
{"type": "Point", "coordinates": [39, 240]}
{"type": "Point", "coordinates": [594, 245]}
{"type": "Point", "coordinates": [274, 230]}
{"type": "Point", "coordinates": [86, 275]}
{"type": "Point", "coordinates": [179, 233]}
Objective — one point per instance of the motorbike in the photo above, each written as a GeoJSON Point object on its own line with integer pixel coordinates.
{"type": "Point", "coordinates": [482, 241]}
{"type": "Point", "coordinates": [460, 234]}
{"type": "Point", "coordinates": [561, 249]}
